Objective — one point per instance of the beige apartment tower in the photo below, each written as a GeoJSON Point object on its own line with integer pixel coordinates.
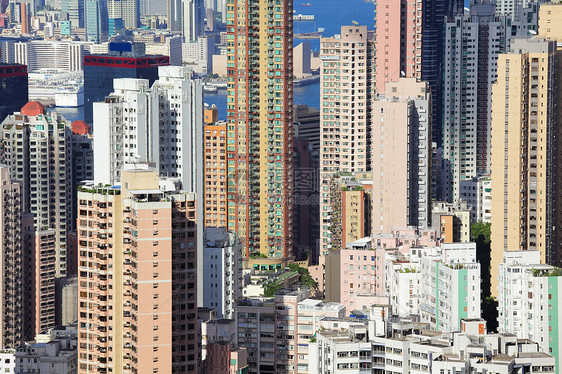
{"type": "Point", "coordinates": [346, 84]}
{"type": "Point", "coordinates": [401, 154]}
{"type": "Point", "coordinates": [523, 150]}
{"type": "Point", "coordinates": [260, 126]}
{"type": "Point", "coordinates": [137, 277]}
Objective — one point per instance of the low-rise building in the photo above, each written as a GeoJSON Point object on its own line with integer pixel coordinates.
{"type": "Point", "coordinates": [529, 300]}
{"type": "Point", "coordinates": [477, 192]}
{"type": "Point", "coordinates": [341, 351]}
{"type": "Point", "coordinates": [471, 350]}
{"type": "Point", "coordinates": [277, 331]}
{"type": "Point", "coordinates": [453, 221]}
{"type": "Point", "coordinates": [450, 287]}
{"type": "Point", "coordinates": [53, 352]}
{"type": "Point", "coordinates": [441, 284]}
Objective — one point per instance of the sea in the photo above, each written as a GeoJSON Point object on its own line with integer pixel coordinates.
{"type": "Point", "coordinates": [329, 14]}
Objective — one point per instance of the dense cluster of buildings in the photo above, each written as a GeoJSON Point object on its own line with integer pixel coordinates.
{"type": "Point", "coordinates": [158, 235]}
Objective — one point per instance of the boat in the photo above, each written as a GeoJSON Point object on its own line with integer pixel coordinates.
{"type": "Point", "coordinates": [210, 89]}
{"type": "Point", "coordinates": [303, 17]}
{"type": "Point", "coordinates": [69, 96]}
{"type": "Point", "coordinates": [306, 4]}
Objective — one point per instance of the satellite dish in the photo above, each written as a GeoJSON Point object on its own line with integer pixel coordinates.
{"type": "Point", "coordinates": [355, 23]}
{"type": "Point", "coordinates": [532, 32]}
{"type": "Point", "coordinates": [402, 73]}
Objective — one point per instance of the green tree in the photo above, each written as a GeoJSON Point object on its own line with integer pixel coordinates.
{"type": "Point", "coordinates": [480, 231]}
{"type": "Point", "coordinates": [480, 234]}
{"type": "Point", "coordinates": [305, 277]}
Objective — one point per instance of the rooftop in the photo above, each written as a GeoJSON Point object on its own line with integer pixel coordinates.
{"type": "Point", "coordinates": [33, 108]}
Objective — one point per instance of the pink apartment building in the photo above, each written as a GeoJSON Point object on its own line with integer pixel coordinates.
{"type": "Point", "coordinates": [357, 272]}
{"type": "Point", "coordinates": [398, 40]}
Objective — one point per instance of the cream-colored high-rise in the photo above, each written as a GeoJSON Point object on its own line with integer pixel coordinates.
{"type": "Point", "coordinates": [522, 151]}
{"type": "Point", "coordinates": [137, 277]}
{"type": "Point", "coordinates": [346, 89]}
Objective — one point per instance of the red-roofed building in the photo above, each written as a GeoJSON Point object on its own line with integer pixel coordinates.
{"type": "Point", "coordinates": [33, 108]}
{"type": "Point", "coordinates": [80, 128]}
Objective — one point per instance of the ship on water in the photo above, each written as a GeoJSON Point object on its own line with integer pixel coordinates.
{"type": "Point", "coordinates": [70, 96]}
{"type": "Point", "coordinates": [61, 88]}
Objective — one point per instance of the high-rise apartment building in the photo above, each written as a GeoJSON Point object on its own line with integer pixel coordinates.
{"type": "Point", "coordinates": [473, 43]}
{"type": "Point", "coordinates": [350, 204]}
{"type": "Point", "coordinates": [161, 124]}
{"type": "Point", "coordinates": [13, 88]}
{"type": "Point", "coordinates": [193, 19]}
{"type": "Point", "coordinates": [276, 331]}
{"type": "Point", "coordinates": [124, 60]}
{"type": "Point", "coordinates": [37, 147]}
{"type": "Point", "coordinates": [477, 192]}
{"type": "Point", "coordinates": [523, 152]}
{"type": "Point", "coordinates": [43, 269]}
{"type": "Point", "coordinates": [435, 12]}
{"type": "Point", "coordinates": [398, 38]}
{"type": "Point", "coordinates": [137, 277]}
{"type": "Point", "coordinates": [215, 175]}
{"type": "Point", "coordinates": [550, 17]}
{"type": "Point", "coordinates": [12, 300]}
{"type": "Point", "coordinates": [401, 156]}
{"type": "Point", "coordinates": [514, 7]}
{"type": "Point", "coordinates": [347, 83]}
{"type": "Point", "coordinates": [260, 125]}
{"type": "Point", "coordinates": [24, 17]}
{"type": "Point", "coordinates": [452, 220]}
{"type": "Point", "coordinates": [27, 305]}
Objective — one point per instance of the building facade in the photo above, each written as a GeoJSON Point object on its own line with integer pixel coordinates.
{"type": "Point", "coordinates": [14, 88]}
{"type": "Point", "coordinates": [529, 300]}
{"type": "Point", "coordinates": [193, 19]}
{"type": "Point", "coordinates": [48, 54]}
{"type": "Point", "coordinates": [124, 60]}
{"type": "Point", "coordinates": [215, 175]}
{"type": "Point", "coordinates": [523, 152]}
{"type": "Point", "coordinates": [477, 192]}
{"type": "Point", "coordinates": [12, 247]}
{"type": "Point", "coordinates": [260, 126]}
{"type": "Point", "coordinates": [160, 124]}
{"type": "Point", "coordinates": [138, 254]}
{"type": "Point", "coordinates": [466, 128]}
{"type": "Point", "coordinates": [401, 149]}
{"type": "Point", "coordinates": [37, 147]}
{"type": "Point", "coordinates": [347, 82]}
{"type": "Point", "coordinates": [222, 279]}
